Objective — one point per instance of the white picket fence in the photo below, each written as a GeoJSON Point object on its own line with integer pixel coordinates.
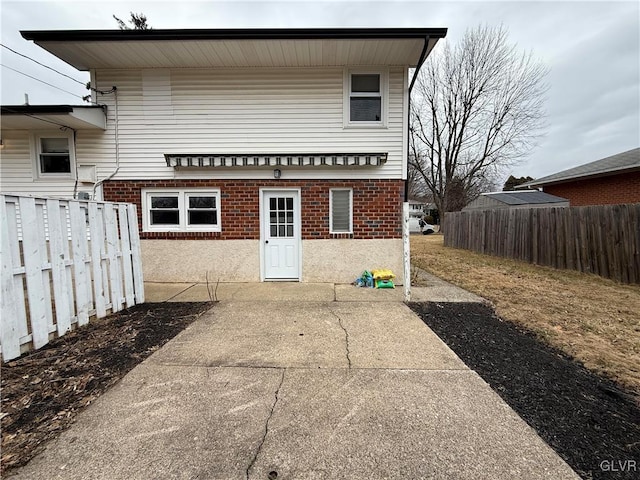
{"type": "Point", "coordinates": [64, 262]}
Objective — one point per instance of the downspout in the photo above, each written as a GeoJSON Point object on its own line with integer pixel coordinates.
{"type": "Point", "coordinates": [75, 161]}
{"type": "Point", "coordinates": [115, 126]}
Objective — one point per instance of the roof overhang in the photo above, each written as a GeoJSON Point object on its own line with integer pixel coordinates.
{"type": "Point", "coordinates": [276, 160]}
{"type": "Point", "coordinates": [577, 178]}
{"type": "Point", "coordinates": [39, 117]}
{"type": "Point", "coordinates": [192, 48]}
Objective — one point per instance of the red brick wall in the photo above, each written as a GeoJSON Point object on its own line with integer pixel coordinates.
{"type": "Point", "coordinates": [611, 190]}
{"type": "Point", "coordinates": [377, 206]}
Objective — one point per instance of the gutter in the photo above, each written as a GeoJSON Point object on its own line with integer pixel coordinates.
{"type": "Point", "coordinates": [231, 34]}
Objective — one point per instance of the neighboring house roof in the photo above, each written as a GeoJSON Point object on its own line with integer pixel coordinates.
{"type": "Point", "coordinates": [622, 162]}
{"type": "Point", "coordinates": [47, 116]}
{"type": "Point", "coordinates": [524, 198]}
{"type": "Point", "coordinates": [177, 48]}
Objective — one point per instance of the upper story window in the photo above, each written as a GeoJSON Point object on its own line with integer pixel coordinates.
{"type": "Point", "coordinates": [366, 93]}
{"type": "Point", "coordinates": [181, 210]}
{"type": "Point", "coordinates": [54, 154]}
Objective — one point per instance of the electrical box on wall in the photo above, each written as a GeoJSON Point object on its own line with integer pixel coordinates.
{"type": "Point", "coordinates": [87, 173]}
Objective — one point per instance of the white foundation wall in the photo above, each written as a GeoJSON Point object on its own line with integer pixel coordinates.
{"type": "Point", "coordinates": [192, 260]}
{"type": "Point", "coordinates": [334, 260]}
{"type": "Point", "coordinates": [343, 260]}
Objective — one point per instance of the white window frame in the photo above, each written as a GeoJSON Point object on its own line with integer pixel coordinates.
{"type": "Point", "coordinates": [36, 151]}
{"type": "Point", "coordinates": [350, 190]}
{"type": "Point", "coordinates": [384, 100]}
{"type": "Point", "coordinates": [183, 195]}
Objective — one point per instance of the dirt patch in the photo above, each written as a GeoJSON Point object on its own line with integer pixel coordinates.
{"type": "Point", "coordinates": [589, 420]}
{"type": "Point", "coordinates": [588, 317]}
{"type": "Point", "coordinates": [43, 391]}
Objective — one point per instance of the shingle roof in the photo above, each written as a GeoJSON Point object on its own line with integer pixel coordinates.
{"type": "Point", "coordinates": [629, 160]}
{"type": "Point", "coordinates": [525, 197]}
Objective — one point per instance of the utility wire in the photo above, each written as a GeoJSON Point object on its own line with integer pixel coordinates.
{"type": "Point", "coordinates": [41, 81]}
{"type": "Point", "coordinates": [42, 64]}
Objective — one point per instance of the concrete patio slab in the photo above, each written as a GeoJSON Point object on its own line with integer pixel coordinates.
{"type": "Point", "coordinates": [236, 423]}
{"type": "Point", "coordinates": [396, 424]}
{"type": "Point", "coordinates": [351, 293]}
{"type": "Point", "coordinates": [165, 422]}
{"type": "Point", "coordinates": [283, 334]}
{"type": "Point", "coordinates": [390, 335]}
{"type": "Point", "coordinates": [264, 291]}
{"type": "Point", "coordinates": [197, 293]}
{"type": "Point", "coordinates": [162, 292]}
{"type": "Point", "coordinates": [280, 377]}
{"type": "Point", "coordinates": [432, 289]}
{"type": "Point", "coordinates": [322, 335]}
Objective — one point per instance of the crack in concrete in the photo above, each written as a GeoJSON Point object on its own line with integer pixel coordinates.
{"type": "Point", "coordinates": [266, 426]}
{"type": "Point", "coordinates": [346, 335]}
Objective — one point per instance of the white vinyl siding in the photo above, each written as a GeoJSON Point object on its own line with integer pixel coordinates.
{"type": "Point", "coordinates": [285, 110]}
{"type": "Point", "coordinates": [341, 210]}
{"type": "Point", "coordinates": [181, 210]}
{"type": "Point", "coordinates": [19, 168]}
{"type": "Point", "coordinates": [259, 110]}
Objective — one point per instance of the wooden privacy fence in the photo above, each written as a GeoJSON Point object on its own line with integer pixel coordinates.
{"type": "Point", "coordinates": [604, 239]}
{"type": "Point", "coordinates": [63, 262]}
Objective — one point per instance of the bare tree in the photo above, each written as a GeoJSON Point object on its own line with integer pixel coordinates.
{"type": "Point", "coordinates": [417, 187]}
{"type": "Point", "coordinates": [138, 21]}
{"type": "Point", "coordinates": [477, 107]}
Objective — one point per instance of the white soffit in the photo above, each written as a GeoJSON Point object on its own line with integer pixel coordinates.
{"type": "Point", "coordinates": [31, 118]}
{"type": "Point", "coordinates": [237, 53]}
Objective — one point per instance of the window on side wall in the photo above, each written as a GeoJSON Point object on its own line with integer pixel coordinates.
{"type": "Point", "coordinates": [181, 210]}
{"type": "Point", "coordinates": [53, 155]}
{"type": "Point", "coordinates": [365, 104]}
{"type": "Point", "coordinates": [341, 210]}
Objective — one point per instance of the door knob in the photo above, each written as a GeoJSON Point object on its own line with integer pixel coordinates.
{"type": "Point", "coordinates": [266, 241]}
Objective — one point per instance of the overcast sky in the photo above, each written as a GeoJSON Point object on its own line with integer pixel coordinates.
{"type": "Point", "coordinates": [592, 50]}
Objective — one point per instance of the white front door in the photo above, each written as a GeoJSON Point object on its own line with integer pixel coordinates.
{"type": "Point", "coordinates": [281, 234]}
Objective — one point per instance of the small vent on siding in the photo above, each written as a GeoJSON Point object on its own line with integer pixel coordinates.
{"type": "Point", "coordinates": [276, 160]}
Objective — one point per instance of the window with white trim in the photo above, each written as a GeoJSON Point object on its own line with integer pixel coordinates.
{"type": "Point", "coordinates": [181, 210]}
{"type": "Point", "coordinates": [53, 154]}
{"type": "Point", "coordinates": [341, 210]}
{"type": "Point", "coordinates": [365, 102]}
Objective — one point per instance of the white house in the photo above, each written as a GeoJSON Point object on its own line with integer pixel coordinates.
{"type": "Point", "coordinates": [252, 154]}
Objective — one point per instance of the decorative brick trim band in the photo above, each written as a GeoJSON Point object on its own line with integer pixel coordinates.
{"type": "Point", "coordinates": [377, 206]}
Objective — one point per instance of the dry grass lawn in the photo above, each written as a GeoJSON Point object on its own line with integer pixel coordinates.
{"type": "Point", "coordinates": [595, 320]}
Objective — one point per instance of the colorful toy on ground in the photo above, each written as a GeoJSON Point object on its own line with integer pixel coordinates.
{"type": "Point", "coordinates": [376, 278]}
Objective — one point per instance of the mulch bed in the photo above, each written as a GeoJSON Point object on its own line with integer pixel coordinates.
{"type": "Point", "coordinates": [43, 391]}
{"type": "Point", "coordinates": [592, 423]}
